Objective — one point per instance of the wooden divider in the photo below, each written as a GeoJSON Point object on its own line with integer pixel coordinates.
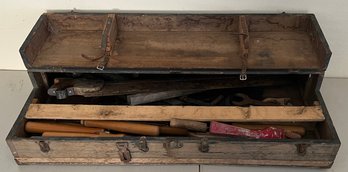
{"type": "Point", "coordinates": [165, 113]}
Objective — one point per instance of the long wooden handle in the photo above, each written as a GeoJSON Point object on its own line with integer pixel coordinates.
{"type": "Point", "coordinates": [189, 124]}
{"type": "Point", "coordinates": [292, 128]}
{"type": "Point", "coordinates": [41, 127]}
{"type": "Point", "coordinates": [69, 134]}
{"type": "Point", "coordinates": [164, 130]}
{"type": "Point", "coordinates": [125, 127]}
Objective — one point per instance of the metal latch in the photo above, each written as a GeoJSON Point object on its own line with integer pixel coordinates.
{"type": "Point", "coordinates": [142, 144]}
{"type": "Point", "coordinates": [44, 146]}
{"type": "Point", "coordinates": [204, 145]}
{"type": "Point", "coordinates": [123, 151]}
{"type": "Point", "coordinates": [172, 144]}
{"type": "Point", "coordinates": [302, 149]}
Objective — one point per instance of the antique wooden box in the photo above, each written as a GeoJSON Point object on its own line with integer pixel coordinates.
{"type": "Point", "coordinates": [209, 61]}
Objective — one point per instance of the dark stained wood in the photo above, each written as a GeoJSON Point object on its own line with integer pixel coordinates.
{"type": "Point", "coordinates": [67, 47]}
{"type": "Point", "coordinates": [37, 40]}
{"type": "Point", "coordinates": [277, 23]}
{"type": "Point", "coordinates": [278, 50]}
{"type": "Point", "coordinates": [319, 43]}
{"type": "Point", "coordinates": [92, 88]}
{"type": "Point", "coordinates": [177, 23]}
{"type": "Point", "coordinates": [181, 42]}
{"type": "Point", "coordinates": [210, 22]}
{"type": "Point", "coordinates": [181, 50]}
{"type": "Point", "coordinates": [76, 22]}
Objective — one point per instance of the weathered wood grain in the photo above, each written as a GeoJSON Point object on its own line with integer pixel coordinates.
{"type": "Point", "coordinates": [161, 161]}
{"type": "Point", "coordinates": [171, 42]}
{"type": "Point", "coordinates": [75, 22]}
{"type": "Point", "coordinates": [165, 113]}
{"type": "Point", "coordinates": [205, 50]}
{"type": "Point", "coordinates": [94, 151]}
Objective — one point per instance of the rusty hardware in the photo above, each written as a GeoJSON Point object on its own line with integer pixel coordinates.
{"type": "Point", "coordinates": [63, 87]}
{"type": "Point", "coordinates": [104, 62]}
{"type": "Point", "coordinates": [204, 145]}
{"type": "Point", "coordinates": [44, 146]}
{"type": "Point", "coordinates": [108, 42]}
{"type": "Point", "coordinates": [123, 152]}
{"type": "Point", "coordinates": [172, 144]}
{"type": "Point", "coordinates": [142, 144]}
{"type": "Point", "coordinates": [302, 149]}
{"type": "Point", "coordinates": [244, 46]}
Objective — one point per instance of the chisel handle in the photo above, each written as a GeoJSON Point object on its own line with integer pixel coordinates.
{"type": "Point", "coordinates": [124, 127]}
{"type": "Point", "coordinates": [189, 124]}
{"type": "Point", "coordinates": [173, 131]}
{"type": "Point", "coordinates": [68, 134]}
{"type": "Point", "coordinates": [41, 127]}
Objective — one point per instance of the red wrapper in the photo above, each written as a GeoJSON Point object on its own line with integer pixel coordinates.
{"type": "Point", "coordinates": [267, 133]}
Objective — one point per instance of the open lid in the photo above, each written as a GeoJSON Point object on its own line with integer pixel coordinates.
{"type": "Point", "coordinates": [176, 43]}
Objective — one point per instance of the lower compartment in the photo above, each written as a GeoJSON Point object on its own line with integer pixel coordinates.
{"type": "Point", "coordinates": [307, 152]}
{"type": "Point", "coordinates": [317, 148]}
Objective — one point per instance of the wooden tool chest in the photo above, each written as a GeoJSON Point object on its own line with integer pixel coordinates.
{"type": "Point", "coordinates": [127, 88]}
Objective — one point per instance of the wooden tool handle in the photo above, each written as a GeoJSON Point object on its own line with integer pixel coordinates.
{"type": "Point", "coordinates": [173, 131]}
{"type": "Point", "coordinates": [41, 127]}
{"type": "Point", "coordinates": [296, 129]}
{"type": "Point", "coordinates": [292, 135]}
{"type": "Point", "coordinates": [125, 127]}
{"type": "Point", "coordinates": [189, 124]}
{"type": "Point", "coordinates": [69, 134]}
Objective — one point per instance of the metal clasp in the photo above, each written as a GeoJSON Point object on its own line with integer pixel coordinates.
{"type": "Point", "coordinates": [243, 77]}
{"type": "Point", "coordinates": [172, 144]}
{"type": "Point", "coordinates": [100, 67]}
{"type": "Point", "coordinates": [302, 149]}
{"type": "Point", "coordinates": [204, 145]}
{"type": "Point", "coordinates": [44, 146]}
{"type": "Point", "coordinates": [142, 144]}
{"type": "Point", "coordinates": [123, 151]}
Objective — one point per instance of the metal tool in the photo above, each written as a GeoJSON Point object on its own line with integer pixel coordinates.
{"type": "Point", "coordinates": [63, 87]}
{"type": "Point", "coordinates": [246, 100]}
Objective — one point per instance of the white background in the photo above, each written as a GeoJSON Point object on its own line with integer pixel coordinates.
{"type": "Point", "coordinates": [18, 16]}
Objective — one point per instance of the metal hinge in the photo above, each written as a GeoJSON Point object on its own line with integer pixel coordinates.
{"type": "Point", "coordinates": [123, 151]}
{"type": "Point", "coordinates": [172, 144]}
{"type": "Point", "coordinates": [142, 144]}
{"type": "Point", "coordinates": [44, 146]}
{"type": "Point", "coordinates": [302, 149]}
{"type": "Point", "coordinates": [204, 145]}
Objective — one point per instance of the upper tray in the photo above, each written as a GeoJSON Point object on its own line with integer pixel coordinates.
{"type": "Point", "coordinates": [176, 43]}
